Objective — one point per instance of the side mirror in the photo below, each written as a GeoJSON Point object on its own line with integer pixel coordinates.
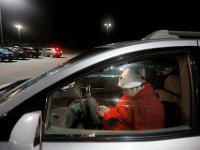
{"type": "Point", "coordinates": [26, 131]}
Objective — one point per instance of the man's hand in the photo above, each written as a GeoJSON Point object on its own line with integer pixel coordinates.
{"type": "Point", "coordinates": [103, 110]}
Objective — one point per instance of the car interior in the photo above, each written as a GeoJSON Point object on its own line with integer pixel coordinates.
{"type": "Point", "coordinates": [168, 75]}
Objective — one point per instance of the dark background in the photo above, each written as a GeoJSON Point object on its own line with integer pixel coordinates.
{"type": "Point", "coordinates": [80, 24]}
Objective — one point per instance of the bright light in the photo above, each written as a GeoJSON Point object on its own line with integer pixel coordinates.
{"type": "Point", "coordinates": [111, 67]}
{"type": "Point", "coordinates": [18, 26]}
{"type": "Point", "coordinates": [15, 4]}
{"type": "Point", "coordinates": [116, 99]}
{"type": "Point", "coordinates": [107, 24]}
{"type": "Point", "coordinates": [121, 69]}
{"type": "Point", "coordinates": [30, 118]}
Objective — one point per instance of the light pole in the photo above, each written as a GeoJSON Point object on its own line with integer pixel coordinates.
{"type": "Point", "coordinates": [18, 26]}
{"type": "Point", "coordinates": [2, 42]}
{"type": "Point", "coordinates": [107, 25]}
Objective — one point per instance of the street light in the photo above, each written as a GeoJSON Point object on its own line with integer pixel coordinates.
{"type": "Point", "coordinates": [18, 26]}
{"type": "Point", "coordinates": [107, 25]}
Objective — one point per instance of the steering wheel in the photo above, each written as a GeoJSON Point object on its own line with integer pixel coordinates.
{"type": "Point", "coordinates": [93, 106]}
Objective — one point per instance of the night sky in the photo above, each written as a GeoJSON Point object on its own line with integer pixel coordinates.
{"type": "Point", "coordinates": [80, 24]}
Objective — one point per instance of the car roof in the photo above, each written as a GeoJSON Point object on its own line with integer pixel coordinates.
{"type": "Point", "coordinates": [158, 35]}
{"type": "Point", "coordinates": [169, 34]}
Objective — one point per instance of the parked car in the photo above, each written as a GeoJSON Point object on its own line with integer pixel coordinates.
{"type": "Point", "coordinates": [35, 113]}
{"type": "Point", "coordinates": [31, 52]}
{"type": "Point", "coordinates": [52, 52]}
{"type": "Point", "coordinates": [18, 52]}
{"type": "Point", "coordinates": [6, 55]}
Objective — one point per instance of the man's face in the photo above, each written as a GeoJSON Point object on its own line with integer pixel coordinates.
{"type": "Point", "coordinates": [130, 92]}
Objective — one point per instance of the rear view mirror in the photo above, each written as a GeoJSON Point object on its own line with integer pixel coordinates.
{"type": "Point", "coordinates": [25, 132]}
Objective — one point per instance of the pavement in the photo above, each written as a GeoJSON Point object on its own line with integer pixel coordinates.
{"type": "Point", "coordinates": [31, 67]}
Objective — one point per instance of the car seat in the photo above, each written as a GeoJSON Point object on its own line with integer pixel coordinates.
{"type": "Point", "coordinates": [171, 99]}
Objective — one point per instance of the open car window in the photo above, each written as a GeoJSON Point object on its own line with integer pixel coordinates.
{"type": "Point", "coordinates": [73, 109]}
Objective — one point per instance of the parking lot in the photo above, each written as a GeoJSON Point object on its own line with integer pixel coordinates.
{"type": "Point", "coordinates": [30, 67]}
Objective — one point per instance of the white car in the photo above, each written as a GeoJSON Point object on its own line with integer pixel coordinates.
{"type": "Point", "coordinates": [40, 113]}
{"type": "Point", "coordinates": [51, 52]}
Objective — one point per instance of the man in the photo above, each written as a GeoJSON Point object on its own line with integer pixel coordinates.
{"type": "Point", "coordinates": [138, 109]}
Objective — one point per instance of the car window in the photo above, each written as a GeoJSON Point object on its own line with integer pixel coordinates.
{"type": "Point", "coordinates": [14, 91]}
{"type": "Point", "coordinates": [4, 50]}
{"type": "Point", "coordinates": [18, 89]}
{"type": "Point", "coordinates": [74, 109]}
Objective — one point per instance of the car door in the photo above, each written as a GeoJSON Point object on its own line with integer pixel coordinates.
{"type": "Point", "coordinates": [72, 120]}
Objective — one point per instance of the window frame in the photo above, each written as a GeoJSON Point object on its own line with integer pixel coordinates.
{"type": "Point", "coordinates": [171, 133]}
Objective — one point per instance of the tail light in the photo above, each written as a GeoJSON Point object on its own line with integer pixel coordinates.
{"type": "Point", "coordinates": [57, 49]}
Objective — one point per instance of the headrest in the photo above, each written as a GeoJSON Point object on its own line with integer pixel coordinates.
{"type": "Point", "coordinates": [172, 84]}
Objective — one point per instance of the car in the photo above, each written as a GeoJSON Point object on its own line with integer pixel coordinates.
{"type": "Point", "coordinates": [31, 52]}
{"type": "Point", "coordinates": [5, 54]}
{"type": "Point", "coordinates": [18, 52]}
{"type": "Point", "coordinates": [52, 52]}
{"type": "Point", "coordinates": [39, 113]}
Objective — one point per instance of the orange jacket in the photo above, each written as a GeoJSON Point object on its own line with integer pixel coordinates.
{"type": "Point", "coordinates": [142, 112]}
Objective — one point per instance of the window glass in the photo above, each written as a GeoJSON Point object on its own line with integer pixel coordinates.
{"type": "Point", "coordinates": [143, 96]}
